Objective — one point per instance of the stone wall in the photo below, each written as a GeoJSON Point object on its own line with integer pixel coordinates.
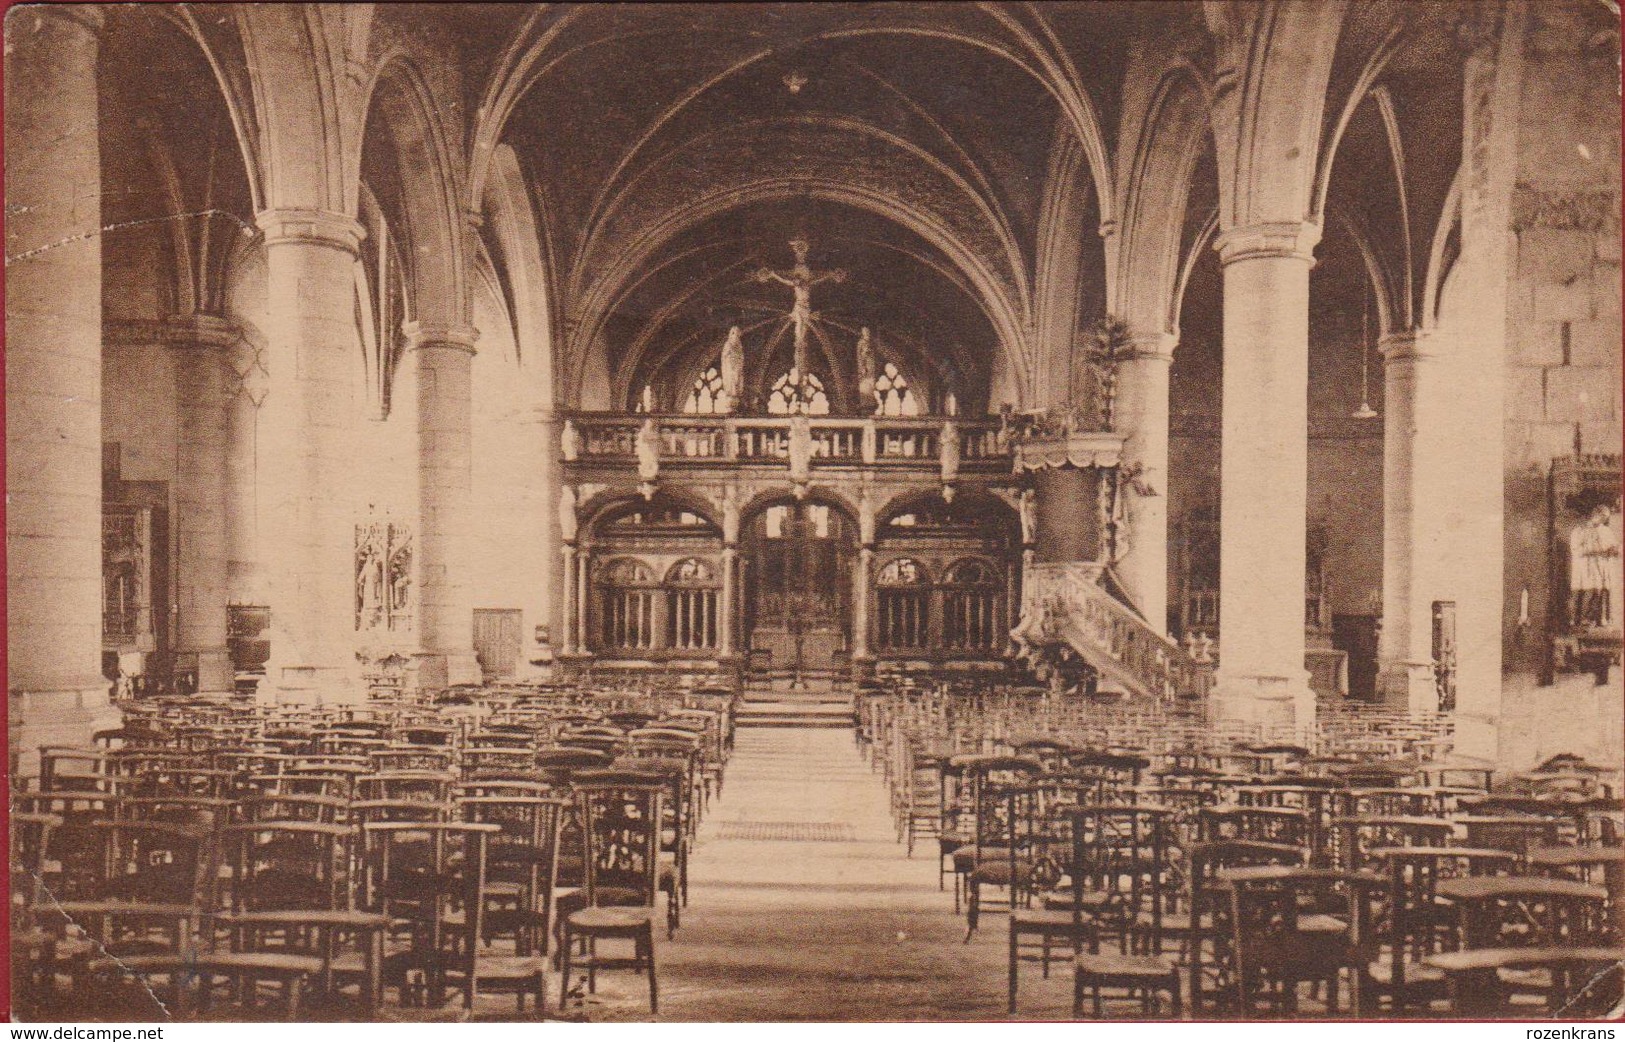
{"type": "Point", "coordinates": [1563, 388]}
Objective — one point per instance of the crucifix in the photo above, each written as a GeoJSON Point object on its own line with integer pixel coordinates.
{"type": "Point", "coordinates": [801, 279]}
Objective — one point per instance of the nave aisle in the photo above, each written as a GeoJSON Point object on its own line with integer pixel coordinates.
{"type": "Point", "coordinates": [805, 907]}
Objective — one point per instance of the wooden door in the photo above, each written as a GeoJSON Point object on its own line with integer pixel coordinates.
{"type": "Point", "coordinates": [496, 641]}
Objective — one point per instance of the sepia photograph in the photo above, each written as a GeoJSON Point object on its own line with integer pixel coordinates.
{"type": "Point", "coordinates": [908, 512]}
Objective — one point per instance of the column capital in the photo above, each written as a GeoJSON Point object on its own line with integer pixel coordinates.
{"type": "Point", "coordinates": [1411, 345]}
{"type": "Point", "coordinates": [1294, 239]}
{"type": "Point", "coordinates": [425, 335]}
{"type": "Point", "coordinates": [195, 330]}
{"type": "Point", "coordinates": [313, 227]}
{"type": "Point", "coordinates": [201, 331]}
{"type": "Point", "coordinates": [1152, 347]}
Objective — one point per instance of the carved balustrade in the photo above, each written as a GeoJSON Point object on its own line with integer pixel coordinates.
{"type": "Point", "coordinates": [611, 440]}
{"type": "Point", "coordinates": [1067, 601]}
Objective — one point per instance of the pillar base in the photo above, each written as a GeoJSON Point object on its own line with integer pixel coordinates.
{"type": "Point", "coordinates": [1478, 735]}
{"type": "Point", "coordinates": [71, 716]}
{"type": "Point", "coordinates": [1408, 686]}
{"type": "Point", "coordinates": [1278, 706]}
{"type": "Point", "coordinates": [309, 685]}
{"type": "Point", "coordinates": [443, 669]}
{"type": "Point", "coordinates": [213, 669]}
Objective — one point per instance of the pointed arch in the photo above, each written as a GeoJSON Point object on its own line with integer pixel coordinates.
{"type": "Point", "coordinates": [1173, 136]}
{"type": "Point", "coordinates": [306, 111]}
{"type": "Point", "coordinates": [404, 116]}
{"type": "Point", "coordinates": [1270, 95]}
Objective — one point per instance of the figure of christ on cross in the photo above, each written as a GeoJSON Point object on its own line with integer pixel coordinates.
{"type": "Point", "coordinates": [801, 279]}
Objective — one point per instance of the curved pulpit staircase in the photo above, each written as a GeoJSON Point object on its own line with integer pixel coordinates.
{"type": "Point", "coordinates": [1079, 605]}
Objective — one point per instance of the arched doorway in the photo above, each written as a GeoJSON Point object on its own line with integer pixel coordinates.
{"type": "Point", "coordinates": [797, 560]}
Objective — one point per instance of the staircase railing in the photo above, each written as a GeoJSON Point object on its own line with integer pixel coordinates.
{"type": "Point", "coordinates": [1069, 602]}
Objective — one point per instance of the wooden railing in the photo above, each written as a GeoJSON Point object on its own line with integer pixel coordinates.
{"type": "Point", "coordinates": [1068, 603]}
{"type": "Point", "coordinates": [612, 438]}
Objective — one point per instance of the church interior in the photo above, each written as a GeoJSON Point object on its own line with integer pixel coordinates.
{"type": "Point", "coordinates": [1125, 494]}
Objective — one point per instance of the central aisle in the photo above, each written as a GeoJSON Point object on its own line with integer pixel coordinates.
{"type": "Point", "coordinates": [804, 907]}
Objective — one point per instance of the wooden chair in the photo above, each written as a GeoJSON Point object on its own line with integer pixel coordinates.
{"type": "Point", "coordinates": [33, 950]}
{"type": "Point", "coordinates": [1357, 837]}
{"type": "Point", "coordinates": [1145, 975]}
{"type": "Point", "coordinates": [1204, 925]}
{"type": "Point", "coordinates": [1416, 925]}
{"type": "Point", "coordinates": [287, 865]}
{"type": "Point", "coordinates": [1006, 853]}
{"type": "Point", "coordinates": [1276, 946]}
{"type": "Point", "coordinates": [523, 866]}
{"type": "Point", "coordinates": [429, 879]}
{"type": "Point", "coordinates": [1065, 913]}
{"type": "Point", "coordinates": [620, 815]}
{"type": "Point", "coordinates": [1579, 982]}
{"type": "Point", "coordinates": [1118, 869]}
{"type": "Point", "coordinates": [962, 840]}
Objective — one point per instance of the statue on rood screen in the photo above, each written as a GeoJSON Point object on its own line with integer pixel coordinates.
{"type": "Point", "coordinates": [867, 367]}
{"type": "Point", "coordinates": [648, 450]}
{"type": "Point", "coordinates": [733, 369]}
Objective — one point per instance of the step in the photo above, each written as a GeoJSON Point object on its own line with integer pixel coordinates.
{"type": "Point", "coordinates": [786, 713]}
{"type": "Point", "coordinates": [797, 698]}
{"type": "Point", "coordinates": [780, 706]}
{"type": "Point", "coordinates": [844, 723]}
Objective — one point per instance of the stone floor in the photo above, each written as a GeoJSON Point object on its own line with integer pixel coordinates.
{"type": "Point", "coordinates": [815, 913]}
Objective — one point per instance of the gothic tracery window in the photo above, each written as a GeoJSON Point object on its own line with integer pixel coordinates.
{"type": "Point", "coordinates": [786, 397]}
{"type": "Point", "coordinates": [705, 397]}
{"type": "Point", "coordinates": [893, 394]}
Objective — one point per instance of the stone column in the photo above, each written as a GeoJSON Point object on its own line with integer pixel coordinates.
{"type": "Point", "coordinates": [582, 606]}
{"type": "Point", "coordinates": [445, 608]}
{"type": "Point", "coordinates": [567, 603]}
{"type": "Point", "coordinates": [250, 376]}
{"type": "Point", "coordinates": [58, 695]}
{"type": "Point", "coordinates": [863, 585]}
{"type": "Point", "coordinates": [726, 599]}
{"type": "Point", "coordinates": [200, 344]}
{"type": "Point", "coordinates": [1265, 474]}
{"type": "Point", "coordinates": [1494, 85]}
{"type": "Point", "coordinates": [1142, 410]}
{"type": "Point", "coordinates": [541, 603]}
{"type": "Point", "coordinates": [1413, 426]}
{"type": "Point", "coordinates": [307, 542]}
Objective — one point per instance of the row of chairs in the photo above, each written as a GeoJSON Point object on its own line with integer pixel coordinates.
{"type": "Point", "coordinates": [1230, 871]}
{"type": "Point", "coordinates": [334, 859]}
